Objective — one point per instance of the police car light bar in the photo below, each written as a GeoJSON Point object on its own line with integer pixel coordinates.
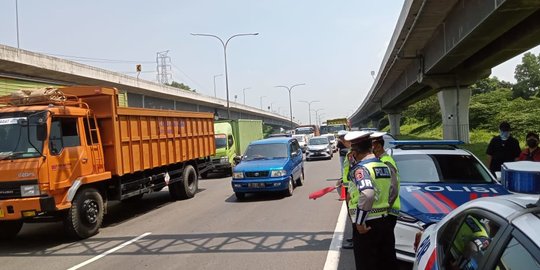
{"type": "Point", "coordinates": [427, 142]}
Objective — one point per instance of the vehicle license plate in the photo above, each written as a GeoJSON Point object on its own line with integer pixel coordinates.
{"type": "Point", "coordinates": [256, 185]}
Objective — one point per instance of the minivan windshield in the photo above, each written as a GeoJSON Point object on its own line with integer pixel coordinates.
{"type": "Point", "coordinates": [304, 131]}
{"type": "Point", "coordinates": [14, 140]}
{"type": "Point", "coordinates": [266, 151]}
{"type": "Point", "coordinates": [299, 138]}
{"type": "Point", "coordinates": [419, 168]}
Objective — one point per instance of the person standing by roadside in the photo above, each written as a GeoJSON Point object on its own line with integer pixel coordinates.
{"type": "Point", "coordinates": [342, 148]}
{"type": "Point", "coordinates": [502, 148]}
{"type": "Point", "coordinates": [368, 200]}
{"type": "Point", "coordinates": [393, 213]}
{"type": "Point", "coordinates": [531, 153]}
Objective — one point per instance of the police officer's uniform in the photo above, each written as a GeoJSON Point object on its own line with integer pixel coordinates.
{"type": "Point", "coordinates": [369, 193]}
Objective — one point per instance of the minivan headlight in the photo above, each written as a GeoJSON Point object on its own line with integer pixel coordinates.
{"type": "Point", "coordinates": [238, 175]}
{"type": "Point", "coordinates": [278, 173]}
{"type": "Point", "coordinates": [30, 190]}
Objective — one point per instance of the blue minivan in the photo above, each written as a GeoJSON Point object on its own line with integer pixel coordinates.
{"type": "Point", "coordinates": [273, 164]}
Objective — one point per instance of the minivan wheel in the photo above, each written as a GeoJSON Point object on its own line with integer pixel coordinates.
{"type": "Point", "coordinates": [290, 187]}
{"type": "Point", "coordinates": [300, 181]}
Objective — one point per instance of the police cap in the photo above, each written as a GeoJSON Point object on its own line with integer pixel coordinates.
{"type": "Point", "coordinates": [342, 133]}
{"type": "Point", "coordinates": [355, 137]}
{"type": "Point", "coordinates": [377, 134]}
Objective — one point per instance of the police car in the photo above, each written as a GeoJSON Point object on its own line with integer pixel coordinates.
{"type": "Point", "coordinates": [436, 177]}
{"type": "Point", "coordinates": [488, 233]}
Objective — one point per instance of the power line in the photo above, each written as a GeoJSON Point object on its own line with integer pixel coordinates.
{"type": "Point", "coordinates": [187, 76]}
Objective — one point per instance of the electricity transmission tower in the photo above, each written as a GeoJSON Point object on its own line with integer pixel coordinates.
{"type": "Point", "coordinates": [163, 67]}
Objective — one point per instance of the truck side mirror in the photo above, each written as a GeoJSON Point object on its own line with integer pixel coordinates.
{"type": "Point", "coordinates": [237, 159]}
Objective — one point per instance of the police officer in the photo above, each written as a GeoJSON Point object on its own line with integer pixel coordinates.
{"type": "Point", "coordinates": [369, 193]}
{"type": "Point", "coordinates": [380, 152]}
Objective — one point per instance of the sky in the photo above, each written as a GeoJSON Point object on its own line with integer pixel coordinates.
{"type": "Point", "coordinates": [331, 46]}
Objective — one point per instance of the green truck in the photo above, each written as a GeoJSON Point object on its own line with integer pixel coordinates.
{"type": "Point", "coordinates": [232, 139]}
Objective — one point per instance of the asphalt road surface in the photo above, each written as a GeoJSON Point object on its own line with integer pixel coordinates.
{"type": "Point", "coordinates": [211, 231]}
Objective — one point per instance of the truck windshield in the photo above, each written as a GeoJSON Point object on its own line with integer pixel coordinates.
{"type": "Point", "coordinates": [14, 140]}
{"type": "Point", "coordinates": [221, 141]}
{"type": "Point", "coordinates": [332, 129]}
{"type": "Point", "coordinates": [266, 151]}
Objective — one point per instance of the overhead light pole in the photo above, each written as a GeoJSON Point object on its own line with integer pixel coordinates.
{"type": "Point", "coordinates": [261, 101]}
{"type": "Point", "coordinates": [215, 76]}
{"type": "Point", "coordinates": [317, 115]}
{"type": "Point", "coordinates": [309, 107]}
{"type": "Point", "coordinates": [225, 56]}
{"type": "Point", "coordinates": [290, 102]}
{"type": "Point", "coordinates": [17, 20]}
{"type": "Point", "coordinates": [244, 92]}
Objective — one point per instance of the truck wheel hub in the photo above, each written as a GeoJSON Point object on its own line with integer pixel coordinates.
{"type": "Point", "coordinates": [90, 211]}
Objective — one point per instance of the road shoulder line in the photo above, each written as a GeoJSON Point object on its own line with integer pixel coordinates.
{"type": "Point", "coordinates": [334, 251]}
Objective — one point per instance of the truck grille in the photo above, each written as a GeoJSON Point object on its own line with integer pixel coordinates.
{"type": "Point", "coordinates": [12, 189]}
{"type": "Point", "coordinates": [257, 174]}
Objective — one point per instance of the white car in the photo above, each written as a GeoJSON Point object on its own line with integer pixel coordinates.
{"type": "Point", "coordinates": [302, 140]}
{"type": "Point", "coordinates": [333, 141]}
{"type": "Point", "coordinates": [488, 233]}
{"type": "Point", "coordinates": [319, 148]}
{"type": "Point", "coordinates": [436, 177]}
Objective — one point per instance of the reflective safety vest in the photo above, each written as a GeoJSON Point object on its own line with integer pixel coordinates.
{"type": "Point", "coordinates": [394, 210]}
{"type": "Point", "coordinates": [472, 240]}
{"type": "Point", "coordinates": [346, 168]}
{"type": "Point", "coordinates": [379, 174]}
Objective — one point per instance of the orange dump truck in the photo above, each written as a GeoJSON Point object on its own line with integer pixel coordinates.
{"type": "Point", "coordinates": [64, 153]}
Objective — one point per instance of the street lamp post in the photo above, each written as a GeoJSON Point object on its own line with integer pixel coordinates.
{"type": "Point", "coordinates": [215, 95]}
{"type": "Point", "coordinates": [317, 115]}
{"type": "Point", "coordinates": [225, 56]}
{"type": "Point", "coordinates": [320, 116]}
{"type": "Point", "coordinates": [244, 92]}
{"type": "Point", "coordinates": [17, 20]}
{"type": "Point", "coordinates": [290, 102]}
{"type": "Point", "coordinates": [261, 101]}
{"type": "Point", "coordinates": [309, 107]}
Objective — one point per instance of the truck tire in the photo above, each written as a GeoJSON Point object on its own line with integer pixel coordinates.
{"type": "Point", "coordinates": [204, 175]}
{"type": "Point", "coordinates": [187, 187]}
{"type": "Point", "coordinates": [9, 229]}
{"type": "Point", "coordinates": [85, 216]}
{"type": "Point", "coordinates": [300, 181]}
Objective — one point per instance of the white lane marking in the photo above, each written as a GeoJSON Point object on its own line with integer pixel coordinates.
{"type": "Point", "coordinates": [108, 252]}
{"type": "Point", "coordinates": [332, 258]}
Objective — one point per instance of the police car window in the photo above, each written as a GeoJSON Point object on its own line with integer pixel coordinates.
{"type": "Point", "coordinates": [417, 168]}
{"type": "Point", "coordinates": [469, 243]}
{"type": "Point", "coordinates": [516, 256]}
{"type": "Point", "coordinates": [441, 168]}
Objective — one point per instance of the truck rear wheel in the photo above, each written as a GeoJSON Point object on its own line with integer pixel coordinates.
{"type": "Point", "coordinates": [9, 229]}
{"type": "Point", "coordinates": [187, 187]}
{"type": "Point", "coordinates": [85, 216]}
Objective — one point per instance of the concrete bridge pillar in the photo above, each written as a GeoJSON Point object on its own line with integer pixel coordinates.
{"type": "Point", "coordinates": [454, 104]}
{"type": "Point", "coordinates": [394, 118]}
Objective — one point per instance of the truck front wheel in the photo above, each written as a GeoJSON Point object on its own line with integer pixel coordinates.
{"type": "Point", "coordinates": [85, 216]}
{"type": "Point", "coordinates": [9, 229]}
{"type": "Point", "coordinates": [187, 187]}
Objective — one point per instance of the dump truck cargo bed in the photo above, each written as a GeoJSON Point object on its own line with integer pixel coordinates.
{"type": "Point", "coordinates": [137, 139]}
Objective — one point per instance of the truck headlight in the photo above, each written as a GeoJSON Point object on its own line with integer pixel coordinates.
{"type": "Point", "coordinates": [30, 190]}
{"type": "Point", "coordinates": [238, 175]}
{"type": "Point", "coordinates": [278, 173]}
{"type": "Point", "coordinates": [224, 160]}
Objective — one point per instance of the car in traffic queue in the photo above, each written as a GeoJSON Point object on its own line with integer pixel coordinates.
{"type": "Point", "coordinates": [435, 178]}
{"type": "Point", "coordinates": [332, 139]}
{"type": "Point", "coordinates": [488, 233]}
{"type": "Point", "coordinates": [269, 165]}
{"type": "Point", "coordinates": [302, 140]}
{"type": "Point", "coordinates": [319, 148]}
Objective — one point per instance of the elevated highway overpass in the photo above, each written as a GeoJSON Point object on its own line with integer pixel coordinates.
{"type": "Point", "coordinates": [443, 47]}
{"type": "Point", "coordinates": [21, 66]}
